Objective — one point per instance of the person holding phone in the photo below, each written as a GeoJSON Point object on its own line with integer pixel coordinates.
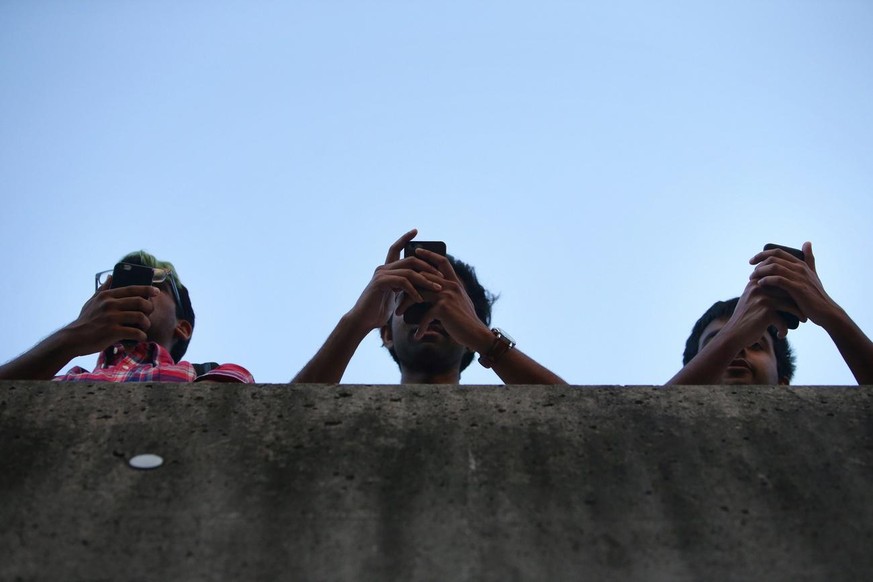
{"type": "Point", "coordinates": [440, 341]}
{"type": "Point", "coordinates": [140, 320]}
{"type": "Point", "coordinates": [743, 340]}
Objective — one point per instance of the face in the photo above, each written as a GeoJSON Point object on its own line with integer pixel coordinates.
{"type": "Point", "coordinates": [435, 352]}
{"type": "Point", "coordinates": [755, 364]}
{"type": "Point", "coordinates": [165, 326]}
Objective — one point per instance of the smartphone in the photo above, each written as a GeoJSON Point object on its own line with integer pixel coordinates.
{"type": "Point", "coordinates": [434, 246]}
{"type": "Point", "coordinates": [416, 311]}
{"type": "Point", "coordinates": [792, 251]}
{"type": "Point", "coordinates": [790, 320]}
{"type": "Point", "coordinates": [125, 275]}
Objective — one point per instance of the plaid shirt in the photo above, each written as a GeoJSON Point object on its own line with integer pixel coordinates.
{"type": "Point", "coordinates": [149, 362]}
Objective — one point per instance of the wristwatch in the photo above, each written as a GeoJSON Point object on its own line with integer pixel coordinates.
{"type": "Point", "coordinates": [503, 342]}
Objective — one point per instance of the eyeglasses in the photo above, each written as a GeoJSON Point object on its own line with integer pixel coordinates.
{"type": "Point", "coordinates": [159, 276]}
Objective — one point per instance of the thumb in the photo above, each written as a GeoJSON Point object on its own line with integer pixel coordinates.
{"type": "Point", "coordinates": [808, 256]}
{"type": "Point", "coordinates": [106, 284]}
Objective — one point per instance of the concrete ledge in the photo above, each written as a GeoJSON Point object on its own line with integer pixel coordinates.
{"type": "Point", "coordinates": [272, 482]}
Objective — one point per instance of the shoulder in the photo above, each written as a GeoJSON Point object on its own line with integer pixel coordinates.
{"type": "Point", "coordinates": [214, 372]}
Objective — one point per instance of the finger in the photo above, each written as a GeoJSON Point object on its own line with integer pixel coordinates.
{"type": "Point", "coordinates": [775, 253]}
{"type": "Point", "coordinates": [106, 285]}
{"type": "Point", "coordinates": [424, 281]}
{"type": "Point", "coordinates": [778, 291]}
{"type": "Point", "coordinates": [145, 291]}
{"type": "Point", "coordinates": [398, 284]}
{"type": "Point", "coordinates": [416, 264]}
{"type": "Point", "coordinates": [434, 280]}
{"type": "Point", "coordinates": [134, 319]}
{"type": "Point", "coordinates": [394, 250]}
{"type": "Point", "coordinates": [427, 318]}
{"type": "Point", "coordinates": [775, 281]}
{"type": "Point", "coordinates": [772, 266]}
{"type": "Point", "coordinates": [781, 327]}
{"type": "Point", "coordinates": [136, 304]}
{"type": "Point", "coordinates": [131, 333]}
{"type": "Point", "coordinates": [404, 302]}
{"type": "Point", "coordinates": [441, 262]}
{"type": "Point", "coordinates": [808, 256]}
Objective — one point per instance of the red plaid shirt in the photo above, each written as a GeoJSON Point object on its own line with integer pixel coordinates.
{"type": "Point", "coordinates": [149, 362]}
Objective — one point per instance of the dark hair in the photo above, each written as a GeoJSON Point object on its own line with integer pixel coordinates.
{"type": "Point", "coordinates": [482, 300]}
{"type": "Point", "coordinates": [785, 365]}
{"type": "Point", "coordinates": [184, 311]}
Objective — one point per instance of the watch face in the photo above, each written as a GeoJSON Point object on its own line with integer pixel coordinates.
{"type": "Point", "coordinates": [504, 334]}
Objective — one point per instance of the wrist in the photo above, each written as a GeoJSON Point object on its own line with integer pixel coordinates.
{"type": "Point", "coordinates": [66, 343]}
{"type": "Point", "coordinates": [501, 343]}
{"type": "Point", "coordinates": [726, 344]}
{"type": "Point", "coordinates": [355, 324]}
{"type": "Point", "coordinates": [833, 316]}
{"type": "Point", "coordinates": [483, 339]}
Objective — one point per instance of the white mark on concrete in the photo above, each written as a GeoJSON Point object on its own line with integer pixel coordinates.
{"type": "Point", "coordinates": [146, 462]}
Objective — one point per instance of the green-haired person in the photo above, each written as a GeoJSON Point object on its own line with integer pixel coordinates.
{"type": "Point", "coordinates": [139, 320]}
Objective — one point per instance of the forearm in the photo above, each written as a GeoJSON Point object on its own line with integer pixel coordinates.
{"type": "Point", "coordinates": [330, 362]}
{"type": "Point", "coordinates": [41, 362]}
{"type": "Point", "coordinates": [708, 366]}
{"type": "Point", "coordinates": [515, 367]}
{"type": "Point", "coordinates": [855, 347]}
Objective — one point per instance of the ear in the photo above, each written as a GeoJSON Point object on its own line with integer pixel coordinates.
{"type": "Point", "coordinates": [183, 330]}
{"type": "Point", "coordinates": [387, 336]}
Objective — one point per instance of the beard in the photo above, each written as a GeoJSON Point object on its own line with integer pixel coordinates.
{"type": "Point", "coordinates": [429, 357]}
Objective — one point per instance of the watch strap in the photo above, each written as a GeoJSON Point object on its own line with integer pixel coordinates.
{"type": "Point", "coordinates": [501, 344]}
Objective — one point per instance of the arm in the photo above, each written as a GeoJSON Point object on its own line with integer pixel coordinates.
{"type": "Point", "coordinates": [756, 310]}
{"type": "Point", "coordinates": [329, 364]}
{"type": "Point", "coordinates": [371, 311]}
{"type": "Point", "coordinates": [453, 308]}
{"type": "Point", "coordinates": [110, 315]}
{"type": "Point", "coordinates": [516, 367]}
{"type": "Point", "coordinates": [800, 280]}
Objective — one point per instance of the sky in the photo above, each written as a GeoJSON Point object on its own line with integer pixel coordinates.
{"type": "Point", "coordinates": [608, 167]}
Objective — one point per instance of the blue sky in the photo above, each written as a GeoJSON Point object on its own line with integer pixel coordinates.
{"type": "Point", "coordinates": [608, 168]}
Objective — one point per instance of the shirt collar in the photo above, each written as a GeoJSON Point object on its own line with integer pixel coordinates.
{"type": "Point", "coordinates": [142, 353]}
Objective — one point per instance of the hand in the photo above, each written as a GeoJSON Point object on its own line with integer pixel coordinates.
{"type": "Point", "coordinates": [451, 306]}
{"type": "Point", "coordinates": [797, 278]}
{"type": "Point", "coordinates": [112, 315]}
{"type": "Point", "coordinates": [759, 308]}
{"type": "Point", "coordinates": [397, 276]}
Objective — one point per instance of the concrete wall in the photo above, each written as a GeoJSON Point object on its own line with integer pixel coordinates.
{"type": "Point", "coordinates": [432, 483]}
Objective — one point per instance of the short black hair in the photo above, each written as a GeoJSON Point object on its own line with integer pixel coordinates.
{"type": "Point", "coordinates": [184, 311]}
{"type": "Point", "coordinates": [482, 301]}
{"type": "Point", "coordinates": [785, 360]}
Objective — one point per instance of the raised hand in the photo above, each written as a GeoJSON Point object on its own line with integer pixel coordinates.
{"type": "Point", "coordinates": [777, 269]}
{"type": "Point", "coordinates": [380, 297]}
{"type": "Point", "coordinates": [451, 306]}
{"type": "Point", "coordinates": [111, 315]}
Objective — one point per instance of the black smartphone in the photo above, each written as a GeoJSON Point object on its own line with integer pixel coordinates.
{"type": "Point", "coordinates": [434, 246]}
{"type": "Point", "coordinates": [792, 251]}
{"type": "Point", "coordinates": [790, 320]}
{"type": "Point", "coordinates": [125, 275]}
{"type": "Point", "coordinates": [416, 311]}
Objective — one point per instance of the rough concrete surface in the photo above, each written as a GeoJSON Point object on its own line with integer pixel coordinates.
{"type": "Point", "coordinates": [272, 482]}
